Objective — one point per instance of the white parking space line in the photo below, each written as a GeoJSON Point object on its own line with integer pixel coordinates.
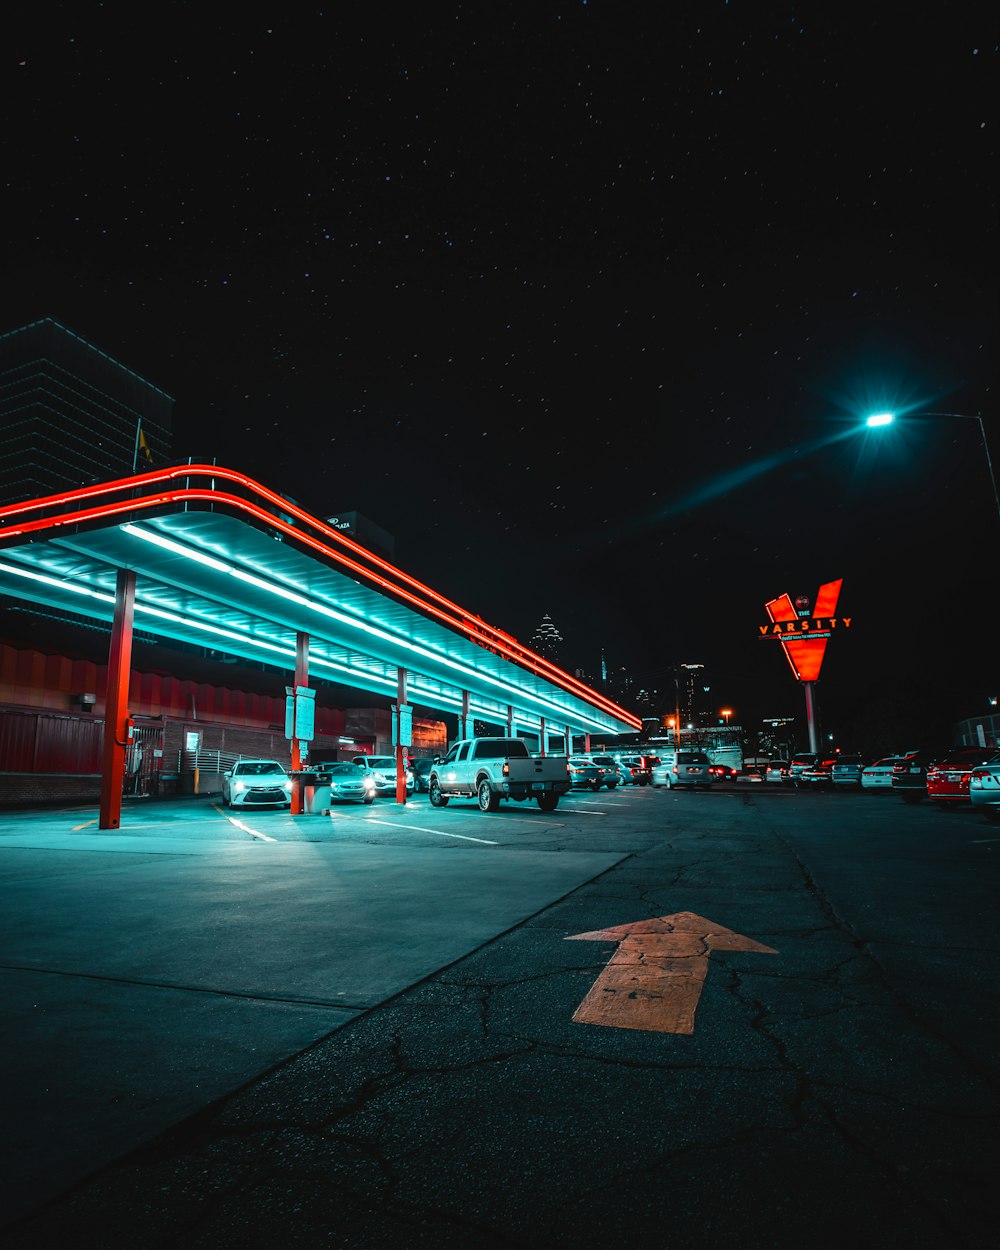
{"type": "Point", "coordinates": [421, 829]}
{"type": "Point", "coordinates": [85, 824]}
{"type": "Point", "coordinates": [983, 841]}
{"type": "Point", "coordinates": [240, 825]}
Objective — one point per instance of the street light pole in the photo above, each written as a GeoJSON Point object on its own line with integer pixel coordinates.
{"type": "Point", "coordinates": [886, 418]}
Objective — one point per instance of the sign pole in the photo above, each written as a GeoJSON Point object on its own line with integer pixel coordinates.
{"type": "Point", "coordinates": [399, 718]}
{"type": "Point", "coordinates": [301, 679]}
{"type": "Point", "coordinates": [812, 721]}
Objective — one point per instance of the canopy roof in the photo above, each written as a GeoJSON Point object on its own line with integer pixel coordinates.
{"type": "Point", "coordinates": [222, 561]}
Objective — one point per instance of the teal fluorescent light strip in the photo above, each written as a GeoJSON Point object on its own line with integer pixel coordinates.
{"type": "Point", "coordinates": [281, 592]}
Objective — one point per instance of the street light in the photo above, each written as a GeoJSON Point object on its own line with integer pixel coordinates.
{"type": "Point", "coordinates": [886, 418]}
{"type": "Point", "coordinates": [726, 712]}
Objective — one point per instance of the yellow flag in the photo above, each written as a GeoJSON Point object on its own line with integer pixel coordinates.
{"type": "Point", "coordinates": [144, 446]}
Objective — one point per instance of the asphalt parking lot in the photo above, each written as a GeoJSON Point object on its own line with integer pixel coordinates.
{"type": "Point", "coordinates": [367, 1029]}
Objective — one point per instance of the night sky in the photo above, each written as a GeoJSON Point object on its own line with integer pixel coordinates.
{"type": "Point", "coordinates": [583, 302]}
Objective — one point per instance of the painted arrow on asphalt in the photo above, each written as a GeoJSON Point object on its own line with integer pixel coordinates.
{"type": "Point", "coordinates": [653, 980]}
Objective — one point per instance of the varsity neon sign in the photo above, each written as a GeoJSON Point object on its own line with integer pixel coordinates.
{"type": "Point", "coordinates": [804, 629]}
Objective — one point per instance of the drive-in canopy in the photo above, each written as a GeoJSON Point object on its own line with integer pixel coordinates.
{"type": "Point", "coordinates": [221, 561]}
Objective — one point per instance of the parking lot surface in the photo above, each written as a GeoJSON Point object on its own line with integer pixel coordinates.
{"type": "Point", "coordinates": [365, 1030]}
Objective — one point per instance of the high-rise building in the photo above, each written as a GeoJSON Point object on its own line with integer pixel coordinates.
{"type": "Point", "coordinates": [71, 415]}
{"type": "Point", "coordinates": [546, 639]}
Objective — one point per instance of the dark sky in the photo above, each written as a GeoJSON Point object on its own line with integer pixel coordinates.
{"type": "Point", "coordinates": [583, 302]}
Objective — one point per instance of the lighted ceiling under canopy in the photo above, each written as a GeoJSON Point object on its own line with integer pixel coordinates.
{"type": "Point", "coordinates": [223, 562]}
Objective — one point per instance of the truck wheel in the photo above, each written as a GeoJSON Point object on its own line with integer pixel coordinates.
{"type": "Point", "coordinates": [488, 801]}
{"type": "Point", "coordinates": [437, 798]}
{"type": "Point", "coordinates": [548, 802]}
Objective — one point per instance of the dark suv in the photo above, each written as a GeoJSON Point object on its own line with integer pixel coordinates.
{"type": "Point", "coordinates": [909, 775]}
{"type": "Point", "coordinates": [800, 762]}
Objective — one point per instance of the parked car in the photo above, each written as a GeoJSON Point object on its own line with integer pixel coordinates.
{"type": "Point", "coordinates": [635, 770]}
{"type": "Point", "coordinates": [878, 776]}
{"type": "Point", "coordinates": [777, 773]}
{"type": "Point", "coordinates": [609, 765]}
{"type": "Point", "coordinates": [257, 783]}
{"type": "Point", "coordinates": [421, 771]}
{"type": "Point", "coordinates": [948, 778]}
{"type": "Point", "coordinates": [584, 774]}
{"type": "Point", "coordinates": [690, 768]}
{"type": "Point", "coordinates": [909, 773]}
{"type": "Point", "coordinates": [984, 788]}
{"type": "Point", "coordinates": [817, 776]}
{"type": "Point", "coordinates": [847, 772]}
{"type": "Point", "coordinates": [349, 783]}
{"type": "Point", "coordinates": [383, 769]}
{"type": "Point", "coordinates": [722, 772]}
{"type": "Point", "coordinates": [799, 764]}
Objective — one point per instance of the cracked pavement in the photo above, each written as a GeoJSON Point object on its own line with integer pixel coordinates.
{"type": "Point", "coordinates": [844, 1091]}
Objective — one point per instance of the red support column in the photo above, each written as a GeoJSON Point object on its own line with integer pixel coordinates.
{"type": "Point", "coordinates": [542, 739]}
{"type": "Point", "coordinates": [301, 679]}
{"type": "Point", "coordinates": [116, 702]}
{"type": "Point", "coordinates": [464, 724]}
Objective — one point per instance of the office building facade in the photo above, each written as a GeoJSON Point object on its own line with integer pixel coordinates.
{"type": "Point", "coordinates": [70, 414]}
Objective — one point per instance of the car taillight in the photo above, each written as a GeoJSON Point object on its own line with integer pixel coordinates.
{"type": "Point", "coordinates": [506, 769]}
{"type": "Point", "coordinates": [978, 777]}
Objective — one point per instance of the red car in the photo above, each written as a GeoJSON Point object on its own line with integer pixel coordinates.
{"type": "Point", "coordinates": [948, 777]}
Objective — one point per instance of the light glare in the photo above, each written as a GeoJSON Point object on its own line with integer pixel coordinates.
{"type": "Point", "coordinates": [880, 418]}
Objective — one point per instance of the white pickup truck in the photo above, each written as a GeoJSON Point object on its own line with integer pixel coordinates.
{"type": "Point", "coordinates": [491, 769]}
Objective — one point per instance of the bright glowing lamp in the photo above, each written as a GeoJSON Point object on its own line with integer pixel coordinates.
{"type": "Point", "coordinates": [880, 418]}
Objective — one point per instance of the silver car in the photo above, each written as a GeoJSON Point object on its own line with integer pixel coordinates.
{"type": "Point", "coordinates": [584, 774]}
{"type": "Point", "coordinates": [689, 768]}
{"type": "Point", "coordinates": [611, 772]}
{"type": "Point", "coordinates": [878, 776]}
{"type": "Point", "coordinates": [776, 772]}
{"type": "Point", "coordinates": [349, 783]}
{"type": "Point", "coordinates": [984, 788]}
{"type": "Point", "coordinates": [257, 783]}
{"type": "Point", "coordinates": [383, 769]}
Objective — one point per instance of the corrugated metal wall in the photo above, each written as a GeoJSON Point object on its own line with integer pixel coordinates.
{"type": "Point", "coordinates": [40, 742]}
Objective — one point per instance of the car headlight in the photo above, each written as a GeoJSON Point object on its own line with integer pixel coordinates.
{"type": "Point", "coordinates": [239, 785]}
{"type": "Point", "coordinates": [287, 785]}
{"type": "Point", "coordinates": [369, 783]}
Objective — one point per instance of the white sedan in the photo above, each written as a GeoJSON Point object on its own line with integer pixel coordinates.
{"type": "Point", "coordinates": [253, 783]}
{"type": "Point", "coordinates": [878, 776]}
{"type": "Point", "coordinates": [984, 788]}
